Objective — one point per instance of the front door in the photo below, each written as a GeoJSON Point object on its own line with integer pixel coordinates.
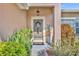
{"type": "Point", "coordinates": [38, 28]}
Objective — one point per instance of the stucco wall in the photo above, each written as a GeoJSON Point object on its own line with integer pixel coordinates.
{"type": "Point", "coordinates": [70, 14]}
{"type": "Point", "coordinates": [57, 24]}
{"type": "Point", "coordinates": [11, 19]}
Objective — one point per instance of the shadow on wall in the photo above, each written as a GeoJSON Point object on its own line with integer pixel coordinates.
{"type": "Point", "coordinates": [2, 37]}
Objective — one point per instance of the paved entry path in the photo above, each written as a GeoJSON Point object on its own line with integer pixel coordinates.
{"type": "Point", "coordinates": [37, 48]}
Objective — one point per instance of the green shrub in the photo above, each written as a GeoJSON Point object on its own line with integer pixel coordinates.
{"type": "Point", "coordinates": [12, 49]}
{"type": "Point", "coordinates": [23, 37]}
{"type": "Point", "coordinates": [19, 44]}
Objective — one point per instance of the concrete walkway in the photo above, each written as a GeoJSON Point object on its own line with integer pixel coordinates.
{"type": "Point", "coordinates": [37, 48]}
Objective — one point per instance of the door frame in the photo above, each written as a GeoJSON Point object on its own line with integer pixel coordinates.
{"type": "Point", "coordinates": [38, 17]}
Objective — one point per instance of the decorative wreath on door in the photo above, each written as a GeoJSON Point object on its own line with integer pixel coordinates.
{"type": "Point", "coordinates": [38, 24]}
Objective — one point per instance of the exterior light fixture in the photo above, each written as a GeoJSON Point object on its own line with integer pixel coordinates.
{"type": "Point", "coordinates": [25, 5]}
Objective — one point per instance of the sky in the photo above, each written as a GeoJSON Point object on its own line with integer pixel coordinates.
{"type": "Point", "coordinates": [70, 6]}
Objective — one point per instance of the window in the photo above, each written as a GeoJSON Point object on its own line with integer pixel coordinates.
{"type": "Point", "coordinates": [77, 31]}
{"type": "Point", "coordinates": [70, 21]}
{"type": "Point", "coordinates": [74, 22]}
{"type": "Point", "coordinates": [77, 26]}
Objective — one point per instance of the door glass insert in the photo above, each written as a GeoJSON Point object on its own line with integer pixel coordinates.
{"type": "Point", "coordinates": [38, 28]}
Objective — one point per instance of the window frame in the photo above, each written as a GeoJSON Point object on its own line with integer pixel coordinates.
{"type": "Point", "coordinates": [72, 18]}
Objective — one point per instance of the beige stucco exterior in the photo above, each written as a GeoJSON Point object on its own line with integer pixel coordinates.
{"type": "Point", "coordinates": [70, 14]}
{"type": "Point", "coordinates": [57, 23]}
{"type": "Point", "coordinates": [13, 18]}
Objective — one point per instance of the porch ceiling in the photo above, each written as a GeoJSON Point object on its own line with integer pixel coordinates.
{"type": "Point", "coordinates": [27, 5]}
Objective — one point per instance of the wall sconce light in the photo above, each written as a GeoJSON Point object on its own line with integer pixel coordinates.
{"type": "Point", "coordinates": [26, 5]}
{"type": "Point", "coordinates": [38, 12]}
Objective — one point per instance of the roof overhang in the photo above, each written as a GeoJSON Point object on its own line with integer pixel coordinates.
{"type": "Point", "coordinates": [27, 5]}
{"type": "Point", "coordinates": [70, 10]}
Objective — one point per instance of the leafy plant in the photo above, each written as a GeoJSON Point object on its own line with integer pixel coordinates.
{"type": "Point", "coordinates": [23, 37]}
{"type": "Point", "coordinates": [19, 44]}
{"type": "Point", "coordinates": [12, 49]}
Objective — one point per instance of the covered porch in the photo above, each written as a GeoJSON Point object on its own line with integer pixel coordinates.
{"type": "Point", "coordinates": [45, 22]}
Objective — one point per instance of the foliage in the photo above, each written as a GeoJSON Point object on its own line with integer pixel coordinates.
{"type": "Point", "coordinates": [66, 50]}
{"type": "Point", "coordinates": [19, 44]}
{"type": "Point", "coordinates": [12, 49]}
{"type": "Point", "coordinates": [67, 33]}
{"type": "Point", "coordinates": [69, 46]}
{"type": "Point", "coordinates": [23, 37]}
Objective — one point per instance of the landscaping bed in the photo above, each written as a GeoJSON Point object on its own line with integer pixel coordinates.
{"type": "Point", "coordinates": [65, 50]}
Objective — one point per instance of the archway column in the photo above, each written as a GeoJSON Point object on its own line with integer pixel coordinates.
{"type": "Point", "coordinates": [57, 24]}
